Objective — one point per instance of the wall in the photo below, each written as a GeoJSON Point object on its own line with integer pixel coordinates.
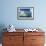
{"type": "Point", "coordinates": [9, 13]}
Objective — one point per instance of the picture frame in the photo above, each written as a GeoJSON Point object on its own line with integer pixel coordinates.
{"type": "Point", "coordinates": [25, 13]}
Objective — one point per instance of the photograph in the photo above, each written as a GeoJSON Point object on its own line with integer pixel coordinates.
{"type": "Point", "coordinates": [25, 13]}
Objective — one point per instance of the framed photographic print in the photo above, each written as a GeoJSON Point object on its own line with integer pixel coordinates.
{"type": "Point", "coordinates": [25, 13]}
